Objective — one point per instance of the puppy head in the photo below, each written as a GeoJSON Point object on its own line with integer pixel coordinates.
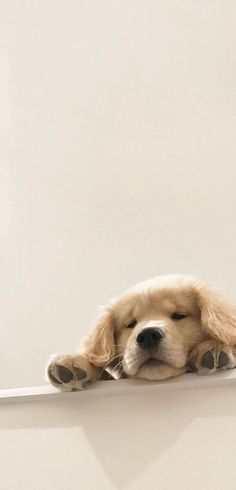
{"type": "Point", "coordinates": [159, 322]}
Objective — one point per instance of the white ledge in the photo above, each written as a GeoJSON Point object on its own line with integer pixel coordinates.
{"type": "Point", "coordinates": [119, 387]}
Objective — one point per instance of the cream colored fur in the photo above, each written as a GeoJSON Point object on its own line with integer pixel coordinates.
{"type": "Point", "coordinates": [209, 326]}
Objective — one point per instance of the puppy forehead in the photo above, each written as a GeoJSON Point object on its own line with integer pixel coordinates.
{"type": "Point", "coordinates": [145, 300]}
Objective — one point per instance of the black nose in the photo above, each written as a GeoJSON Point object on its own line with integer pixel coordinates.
{"type": "Point", "coordinates": [149, 337]}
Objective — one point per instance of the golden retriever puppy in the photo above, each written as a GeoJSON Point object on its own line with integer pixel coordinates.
{"type": "Point", "coordinates": [156, 330]}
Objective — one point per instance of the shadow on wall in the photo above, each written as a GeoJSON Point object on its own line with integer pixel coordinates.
{"type": "Point", "coordinates": [126, 434]}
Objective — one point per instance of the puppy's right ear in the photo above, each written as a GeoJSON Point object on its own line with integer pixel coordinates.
{"type": "Point", "coordinates": [99, 347]}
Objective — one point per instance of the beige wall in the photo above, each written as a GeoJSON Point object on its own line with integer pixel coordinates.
{"type": "Point", "coordinates": [117, 161]}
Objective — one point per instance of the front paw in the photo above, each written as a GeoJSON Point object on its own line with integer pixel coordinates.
{"type": "Point", "coordinates": [210, 356]}
{"type": "Point", "coordinates": [69, 372]}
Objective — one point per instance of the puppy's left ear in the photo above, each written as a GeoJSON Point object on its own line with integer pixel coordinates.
{"type": "Point", "coordinates": [218, 318]}
{"type": "Point", "coordinates": [99, 347]}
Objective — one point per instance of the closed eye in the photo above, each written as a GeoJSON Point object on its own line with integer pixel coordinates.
{"type": "Point", "coordinates": [178, 315]}
{"type": "Point", "coordinates": [132, 324]}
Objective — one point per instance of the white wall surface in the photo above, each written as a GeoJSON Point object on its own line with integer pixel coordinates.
{"type": "Point", "coordinates": [181, 439]}
{"type": "Point", "coordinates": [117, 163]}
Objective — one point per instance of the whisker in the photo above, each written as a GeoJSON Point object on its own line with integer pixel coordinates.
{"type": "Point", "coordinates": [120, 363]}
{"type": "Point", "coordinates": [104, 368]}
{"type": "Point", "coordinates": [118, 366]}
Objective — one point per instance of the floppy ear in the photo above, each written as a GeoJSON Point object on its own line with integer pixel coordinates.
{"type": "Point", "coordinates": [99, 347]}
{"type": "Point", "coordinates": [218, 318]}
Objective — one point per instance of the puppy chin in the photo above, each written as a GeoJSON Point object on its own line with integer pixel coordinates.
{"type": "Point", "coordinates": [132, 364]}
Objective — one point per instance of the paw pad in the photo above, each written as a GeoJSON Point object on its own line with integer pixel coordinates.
{"type": "Point", "coordinates": [80, 373]}
{"type": "Point", "coordinates": [207, 360]}
{"type": "Point", "coordinates": [64, 374]}
{"type": "Point", "coordinates": [61, 375]}
{"type": "Point", "coordinates": [223, 360]}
